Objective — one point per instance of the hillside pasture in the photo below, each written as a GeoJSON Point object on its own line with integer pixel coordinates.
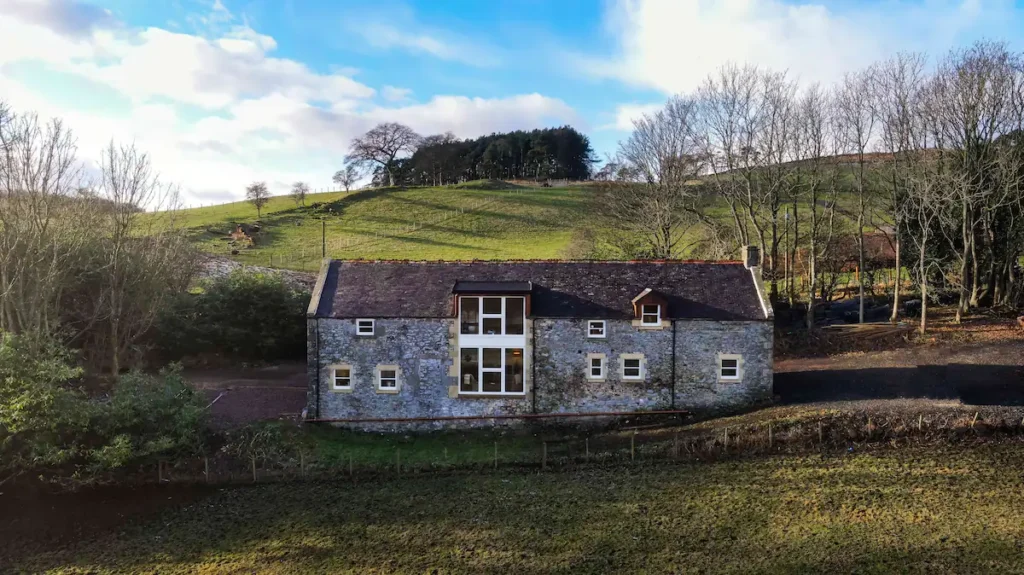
{"type": "Point", "coordinates": [472, 221]}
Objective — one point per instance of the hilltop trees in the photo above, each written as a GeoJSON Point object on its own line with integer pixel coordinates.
{"type": "Point", "coordinates": [258, 195]}
{"type": "Point", "coordinates": [559, 153]}
{"type": "Point", "coordinates": [381, 146]}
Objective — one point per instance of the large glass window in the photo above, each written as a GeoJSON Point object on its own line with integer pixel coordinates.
{"type": "Point", "coordinates": [495, 315]}
{"type": "Point", "coordinates": [491, 370]}
{"type": "Point", "coordinates": [470, 380]}
{"type": "Point", "coordinates": [470, 315]}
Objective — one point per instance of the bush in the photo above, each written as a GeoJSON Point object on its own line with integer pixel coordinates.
{"type": "Point", "coordinates": [245, 315]}
{"type": "Point", "coordinates": [53, 429]}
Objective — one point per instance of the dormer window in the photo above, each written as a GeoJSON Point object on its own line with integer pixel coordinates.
{"type": "Point", "coordinates": [492, 315]}
{"type": "Point", "coordinates": [650, 314]}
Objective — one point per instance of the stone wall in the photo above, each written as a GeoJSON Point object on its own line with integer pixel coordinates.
{"type": "Point", "coordinates": [556, 364]}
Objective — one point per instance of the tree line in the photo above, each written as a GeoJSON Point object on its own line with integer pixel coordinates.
{"type": "Point", "coordinates": [926, 156]}
{"type": "Point", "coordinates": [393, 154]}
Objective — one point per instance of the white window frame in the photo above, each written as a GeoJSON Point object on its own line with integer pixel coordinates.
{"type": "Point", "coordinates": [334, 377]}
{"type": "Point", "coordinates": [597, 322]}
{"type": "Point", "coordinates": [481, 370]}
{"type": "Point", "coordinates": [622, 366]}
{"type": "Point", "coordinates": [603, 366]}
{"type": "Point", "coordinates": [657, 314]}
{"type": "Point", "coordinates": [481, 316]}
{"type": "Point", "coordinates": [360, 327]}
{"type": "Point", "coordinates": [722, 358]}
{"type": "Point", "coordinates": [378, 378]}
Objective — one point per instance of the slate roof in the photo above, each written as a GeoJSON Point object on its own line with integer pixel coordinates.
{"type": "Point", "coordinates": [561, 289]}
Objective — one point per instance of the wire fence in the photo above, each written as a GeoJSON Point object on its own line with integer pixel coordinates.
{"type": "Point", "coordinates": [356, 458]}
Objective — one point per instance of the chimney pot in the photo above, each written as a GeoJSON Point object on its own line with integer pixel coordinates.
{"type": "Point", "coordinates": [751, 257]}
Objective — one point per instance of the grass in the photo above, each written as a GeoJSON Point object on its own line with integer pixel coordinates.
{"type": "Point", "coordinates": [926, 510]}
{"type": "Point", "coordinates": [473, 221]}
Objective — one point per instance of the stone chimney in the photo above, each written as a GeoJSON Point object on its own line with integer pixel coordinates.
{"type": "Point", "coordinates": [751, 257]}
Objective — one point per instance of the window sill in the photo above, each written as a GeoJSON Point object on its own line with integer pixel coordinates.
{"type": "Point", "coordinates": [730, 380]}
{"type": "Point", "coordinates": [596, 379]}
{"type": "Point", "coordinates": [485, 395]}
{"type": "Point", "coordinates": [624, 378]}
{"type": "Point", "coordinates": [341, 390]}
{"type": "Point", "coordinates": [387, 391]}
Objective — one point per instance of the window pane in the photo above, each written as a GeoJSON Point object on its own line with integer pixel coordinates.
{"type": "Point", "coordinates": [387, 374]}
{"type": "Point", "coordinates": [492, 325]}
{"type": "Point", "coordinates": [596, 328]}
{"type": "Point", "coordinates": [492, 305]}
{"type": "Point", "coordinates": [342, 373]}
{"type": "Point", "coordinates": [595, 362]}
{"type": "Point", "coordinates": [650, 308]}
{"type": "Point", "coordinates": [492, 357]}
{"type": "Point", "coordinates": [492, 381]}
{"type": "Point", "coordinates": [514, 370]}
{"type": "Point", "coordinates": [726, 372]}
{"type": "Point", "coordinates": [514, 314]}
{"type": "Point", "coordinates": [470, 370]}
{"type": "Point", "coordinates": [632, 363]}
{"type": "Point", "coordinates": [728, 363]}
{"type": "Point", "coordinates": [470, 314]}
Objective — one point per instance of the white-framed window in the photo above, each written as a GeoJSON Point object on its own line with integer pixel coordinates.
{"type": "Point", "coordinates": [364, 327]}
{"type": "Point", "coordinates": [596, 367]}
{"type": "Point", "coordinates": [632, 366]}
{"type": "Point", "coordinates": [491, 371]}
{"type": "Point", "coordinates": [596, 328]}
{"type": "Point", "coordinates": [492, 315]}
{"type": "Point", "coordinates": [341, 377]}
{"type": "Point", "coordinates": [387, 378]}
{"type": "Point", "coordinates": [729, 367]}
{"type": "Point", "coordinates": [650, 314]}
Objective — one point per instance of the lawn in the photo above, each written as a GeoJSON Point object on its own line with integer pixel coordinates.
{"type": "Point", "coordinates": [922, 509]}
{"type": "Point", "coordinates": [475, 221]}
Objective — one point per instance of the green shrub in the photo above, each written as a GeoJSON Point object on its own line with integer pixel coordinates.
{"type": "Point", "coordinates": [245, 315]}
{"type": "Point", "coordinates": [49, 427]}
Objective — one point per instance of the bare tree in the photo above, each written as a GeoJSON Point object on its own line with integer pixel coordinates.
{"type": "Point", "coordinates": [257, 195]}
{"type": "Point", "coordinates": [858, 119]}
{"type": "Point", "coordinates": [381, 145]}
{"type": "Point", "coordinates": [42, 226]}
{"type": "Point", "coordinates": [142, 260]}
{"type": "Point", "coordinates": [661, 200]}
{"type": "Point", "coordinates": [299, 192]}
{"type": "Point", "coordinates": [347, 177]}
{"type": "Point", "coordinates": [899, 82]}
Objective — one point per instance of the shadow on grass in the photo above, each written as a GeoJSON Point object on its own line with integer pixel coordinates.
{"type": "Point", "coordinates": [777, 515]}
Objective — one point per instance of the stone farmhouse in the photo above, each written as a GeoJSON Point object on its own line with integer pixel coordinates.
{"type": "Point", "coordinates": [444, 343]}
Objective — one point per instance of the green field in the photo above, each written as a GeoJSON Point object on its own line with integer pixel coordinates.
{"type": "Point", "coordinates": [481, 220]}
{"type": "Point", "coordinates": [923, 510]}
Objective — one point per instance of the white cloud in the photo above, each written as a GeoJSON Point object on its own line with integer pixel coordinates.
{"type": "Point", "coordinates": [218, 112]}
{"type": "Point", "coordinates": [399, 30]}
{"type": "Point", "coordinates": [672, 45]}
{"type": "Point", "coordinates": [626, 114]}
{"type": "Point", "coordinates": [393, 94]}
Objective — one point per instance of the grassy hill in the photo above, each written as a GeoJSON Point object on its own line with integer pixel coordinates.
{"type": "Point", "coordinates": [477, 220]}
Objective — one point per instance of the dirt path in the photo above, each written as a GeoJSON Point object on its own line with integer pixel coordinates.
{"type": "Point", "coordinates": [244, 395]}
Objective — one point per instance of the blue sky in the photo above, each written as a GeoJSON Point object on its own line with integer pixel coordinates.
{"type": "Point", "coordinates": [224, 92]}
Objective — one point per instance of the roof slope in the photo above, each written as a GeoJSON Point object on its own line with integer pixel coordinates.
{"type": "Point", "coordinates": [561, 289]}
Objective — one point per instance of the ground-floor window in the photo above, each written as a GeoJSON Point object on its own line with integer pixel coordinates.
{"type": "Point", "coordinates": [491, 370]}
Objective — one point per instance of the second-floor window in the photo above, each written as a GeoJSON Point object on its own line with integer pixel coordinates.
{"type": "Point", "coordinates": [492, 315]}
{"type": "Point", "coordinates": [650, 314]}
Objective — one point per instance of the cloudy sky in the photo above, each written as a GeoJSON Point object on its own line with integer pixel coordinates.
{"type": "Point", "coordinates": [224, 92]}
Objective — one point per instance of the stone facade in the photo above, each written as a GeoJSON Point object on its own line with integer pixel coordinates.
{"type": "Point", "coordinates": [556, 369]}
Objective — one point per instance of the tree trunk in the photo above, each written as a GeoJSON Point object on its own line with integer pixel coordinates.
{"type": "Point", "coordinates": [924, 286]}
{"type": "Point", "coordinates": [896, 286]}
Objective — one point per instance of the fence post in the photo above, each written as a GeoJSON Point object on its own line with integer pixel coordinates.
{"type": "Point", "coordinates": [920, 422]}
{"type": "Point", "coordinates": [302, 464]}
{"type": "Point", "coordinates": [770, 439]}
{"type": "Point", "coordinates": [159, 471]}
{"type": "Point", "coordinates": [398, 460]}
{"type": "Point", "coordinates": [495, 455]}
{"type": "Point", "coordinates": [821, 434]}
{"type": "Point", "coordinates": [254, 470]}
{"type": "Point", "coordinates": [446, 455]}
{"type": "Point", "coordinates": [544, 455]}
{"type": "Point", "coordinates": [726, 442]}
{"type": "Point", "coordinates": [632, 446]}
{"type": "Point", "coordinates": [586, 444]}
{"type": "Point", "coordinates": [350, 465]}
{"type": "Point", "coordinates": [675, 446]}
{"type": "Point", "coordinates": [206, 468]}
